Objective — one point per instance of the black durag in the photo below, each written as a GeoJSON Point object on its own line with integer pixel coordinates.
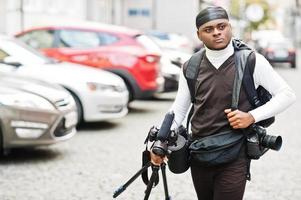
{"type": "Point", "coordinates": [209, 14]}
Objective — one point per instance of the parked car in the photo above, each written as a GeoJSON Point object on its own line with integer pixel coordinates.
{"type": "Point", "coordinates": [99, 95]}
{"type": "Point", "coordinates": [126, 52]}
{"type": "Point", "coordinates": [33, 113]}
{"type": "Point", "coordinates": [280, 51]}
{"type": "Point", "coordinates": [171, 41]}
{"type": "Point", "coordinates": [171, 63]}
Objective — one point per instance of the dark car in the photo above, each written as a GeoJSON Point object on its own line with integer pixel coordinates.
{"type": "Point", "coordinates": [280, 51]}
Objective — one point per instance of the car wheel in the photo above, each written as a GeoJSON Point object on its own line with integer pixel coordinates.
{"type": "Point", "coordinates": [130, 89]}
{"type": "Point", "coordinates": [1, 142]}
{"type": "Point", "coordinates": [79, 108]}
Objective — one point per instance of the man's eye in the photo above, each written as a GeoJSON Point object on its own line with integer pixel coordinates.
{"type": "Point", "coordinates": [221, 27]}
{"type": "Point", "coordinates": [208, 30]}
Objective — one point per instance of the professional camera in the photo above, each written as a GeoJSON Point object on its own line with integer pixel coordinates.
{"type": "Point", "coordinates": [160, 147]}
{"type": "Point", "coordinates": [171, 143]}
{"type": "Point", "coordinates": [259, 142]}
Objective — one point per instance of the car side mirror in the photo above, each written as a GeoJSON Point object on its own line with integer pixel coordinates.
{"type": "Point", "coordinates": [10, 60]}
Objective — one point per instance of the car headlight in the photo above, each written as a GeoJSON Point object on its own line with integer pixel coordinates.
{"type": "Point", "coordinates": [25, 100]}
{"type": "Point", "coordinates": [104, 87]}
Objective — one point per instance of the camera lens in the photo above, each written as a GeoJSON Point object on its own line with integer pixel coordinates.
{"type": "Point", "coordinates": [272, 142]}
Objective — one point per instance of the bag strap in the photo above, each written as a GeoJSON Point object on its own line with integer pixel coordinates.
{"type": "Point", "coordinates": [146, 159]}
{"type": "Point", "coordinates": [248, 81]}
{"type": "Point", "coordinates": [191, 71]}
{"type": "Point", "coordinates": [240, 59]}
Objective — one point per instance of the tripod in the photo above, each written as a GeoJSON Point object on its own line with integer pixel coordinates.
{"type": "Point", "coordinates": [150, 184]}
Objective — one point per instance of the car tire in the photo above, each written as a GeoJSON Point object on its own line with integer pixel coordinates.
{"type": "Point", "coordinates": [1, 142]}
{"type": "Point", "coordinates": [79, 107]}
{"type": "Point", "coordinates": [130, 90]}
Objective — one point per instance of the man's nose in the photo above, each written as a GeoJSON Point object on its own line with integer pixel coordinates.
{"type": "Point", "coordinates": [216, 31]}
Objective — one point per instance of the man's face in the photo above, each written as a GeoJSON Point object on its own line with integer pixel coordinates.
{"type": "Point", "coordinates": [215, 34]}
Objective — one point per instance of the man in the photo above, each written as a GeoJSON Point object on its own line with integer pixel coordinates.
{"type": "Point", "coordinates": [212, 113]}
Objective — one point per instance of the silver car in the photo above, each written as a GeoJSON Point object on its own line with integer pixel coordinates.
{"type": "Point", "coordinates": [34, 113]}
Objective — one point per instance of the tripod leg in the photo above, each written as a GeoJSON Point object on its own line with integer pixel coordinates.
{"type": "Point", "coordinates": [151, 182]}
{"type": "Point", "coordinates": [163, 167]}
{"type": "Point", "coordinates": [123, 187]}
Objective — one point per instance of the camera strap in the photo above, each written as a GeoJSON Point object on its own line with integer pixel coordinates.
{"type": "Point", "coordinates": [146, 158]}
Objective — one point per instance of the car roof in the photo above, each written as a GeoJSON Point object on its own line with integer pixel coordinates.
{"type": "Point", "coordinates": [87, 25]}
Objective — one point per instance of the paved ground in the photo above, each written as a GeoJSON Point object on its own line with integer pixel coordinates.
{"type": "Point", "coordinates": [103, 156]}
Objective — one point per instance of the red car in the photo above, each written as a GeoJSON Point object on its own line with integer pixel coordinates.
{"type": "Point", "coordinates": [123, 51]}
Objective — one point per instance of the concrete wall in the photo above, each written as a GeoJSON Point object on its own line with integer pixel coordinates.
{"type": "Point", "coordinates": [100, 10]}
{"type": "Point", "coordinates": [39, 12]}
{"type": "Point", "coordinates": [3, 16]}
{"type": "Point", "coordinates": [177, 16]}
{"type": "Point", "coordinates": [137, 14]}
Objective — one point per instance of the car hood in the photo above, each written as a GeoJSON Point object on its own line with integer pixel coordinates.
{"type": "Point", "coordinates": [52, 92]}
{"type": "Point", "coordinates": [68, 73]}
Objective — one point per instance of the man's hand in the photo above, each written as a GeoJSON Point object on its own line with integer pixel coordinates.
{"type": "Point", "coordinates": [239, 119]}
{"type": "Point", "coordinates": [155, 159]}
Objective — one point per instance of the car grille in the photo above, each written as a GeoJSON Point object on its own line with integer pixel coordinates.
{"type": "Point", "coordinates": [60, 130]}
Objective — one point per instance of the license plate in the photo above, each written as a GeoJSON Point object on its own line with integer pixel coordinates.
{"type": "Point", "coordinates": [70, 119]}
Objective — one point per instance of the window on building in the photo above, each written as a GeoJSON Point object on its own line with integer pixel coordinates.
{"type": "Point", "coordinates": [78, 39]}
{"type": "Point", "coordinates": [39, 39]}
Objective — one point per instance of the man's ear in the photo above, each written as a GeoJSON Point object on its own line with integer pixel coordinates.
{"type": "Point", "coordinates": [198, 34]}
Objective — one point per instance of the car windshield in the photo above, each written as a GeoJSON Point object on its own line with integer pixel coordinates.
{"type": "Point", "coordinates": [26, 54]}
{"type": "Point", "coordinates": [149, 44]}
{"type": "Point", "coordinates": [161, 36]}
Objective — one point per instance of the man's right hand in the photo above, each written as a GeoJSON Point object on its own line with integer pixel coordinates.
{"type": "Point", "coordinates": [155, 159]}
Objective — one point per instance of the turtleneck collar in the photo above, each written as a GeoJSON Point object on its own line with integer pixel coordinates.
{"type": "Point", "coordinates": [218, 57]}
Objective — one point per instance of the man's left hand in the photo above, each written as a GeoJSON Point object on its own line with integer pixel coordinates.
{"type": "Point", "coordinates": [239, 119]}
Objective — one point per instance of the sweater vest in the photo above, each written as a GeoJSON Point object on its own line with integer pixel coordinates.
{"type": "Point", "coordinates": [213, 95]}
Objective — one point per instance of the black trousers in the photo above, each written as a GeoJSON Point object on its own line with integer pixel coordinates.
{"type": "Point", "coordinates": [225, 182]}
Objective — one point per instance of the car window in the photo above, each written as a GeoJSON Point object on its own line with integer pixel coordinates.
{"type": "Point", "coordinates": [148, 43]}
{"type": "Point", "coordinates": [78, 39]}
{"type": "Point", "coordinates": [24, 53]}
{"type": "Point", "coordinates": [106, 38]}
{"type": "Point", "coordinates": [3, 55]}
{"type": "Point", "coordinates": [159, 35]}
{"type": "Point", "coordinates": [38, 39]}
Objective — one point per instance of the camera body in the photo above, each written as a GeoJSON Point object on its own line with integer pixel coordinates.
{"type": "Point", "coordinates": [259, 142]}
{"type": "Point", "coordinates": [160, 147]}
{"type": "Point", "coordinates": [172, 143]}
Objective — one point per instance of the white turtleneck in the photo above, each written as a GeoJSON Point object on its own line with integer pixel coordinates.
{"type": "Point", "coordinates": [264, 75]}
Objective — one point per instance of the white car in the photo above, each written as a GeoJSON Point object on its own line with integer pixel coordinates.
{"type": "Point", "coordinates": [171, 41]}
{"type": "Point", "coordinates": [171, 63]}
{"type": "Point", "coordinates": [34, 113]}
{"type": "Point", "coordinates": [99, 95]}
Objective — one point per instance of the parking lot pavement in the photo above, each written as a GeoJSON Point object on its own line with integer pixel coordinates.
{"type": "Point", "coordinates": [103, 156]}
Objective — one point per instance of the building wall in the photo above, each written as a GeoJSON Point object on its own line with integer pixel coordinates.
{"type": "Point", "coordinates": [100, 10]}
{"type": "Point", "coordinates": [177, 16]}
{"type": "Point", "coordinates": [137, 14]}
{"type": "Point", "coordinates": [3, 16]}
{"type": "Point", "coordinates": [40, 12]}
